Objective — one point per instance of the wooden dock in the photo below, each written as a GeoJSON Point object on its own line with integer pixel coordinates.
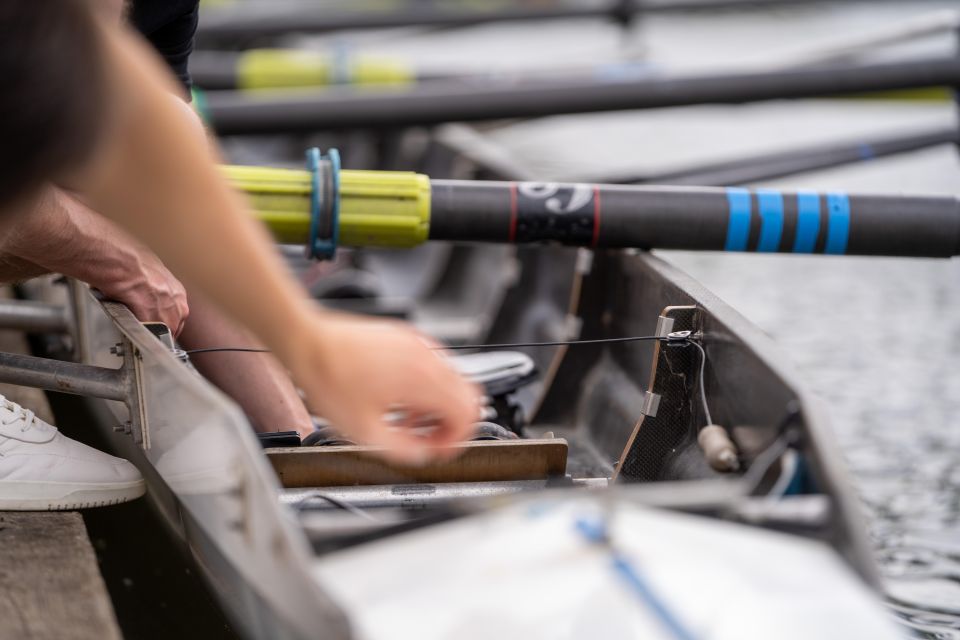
{"type": "Point", "coordinates": [50, 585]}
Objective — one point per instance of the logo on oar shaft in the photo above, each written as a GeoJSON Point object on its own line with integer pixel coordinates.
{"type": "Point", "coordinates": [545, 211]}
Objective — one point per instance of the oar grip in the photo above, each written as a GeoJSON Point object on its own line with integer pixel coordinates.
{"type": "Point", "coordinates": [324, 207]}
{"type": "Point", "coordinates": [260, 69]}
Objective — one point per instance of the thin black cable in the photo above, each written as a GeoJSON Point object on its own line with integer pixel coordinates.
{"type": "Point", "coordinates": [558, 343]}
{"type": "Point", "coordinates": [220, 349]}
{"type": "Point", "coordinates": [703, 388]}
{"type": "Point", "coordinates": [505, 345]}
{"type": "Point", "coordinates": [786, 438]}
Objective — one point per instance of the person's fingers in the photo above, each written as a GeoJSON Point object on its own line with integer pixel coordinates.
{"type": "Point", "coordinates": [170, 317]}
{"type": "Point", "coordinates": [405, 446]}
{"type": "Point", "coordinates": [183, 312]}
{"type": "Point", "coordinates": [400, 445]}
{"type": "Point", "coordinates": [179, 328]}
{"type": "Point", "coordinates": [413, 435]}
{"type": "Point", "coordinates": [392, 392]}
{"type": "Point", "coordinates": [453, 413]}
{"type": "Point", "coordinates": [457, 399]}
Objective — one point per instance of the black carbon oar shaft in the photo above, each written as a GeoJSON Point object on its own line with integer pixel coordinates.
{"type": "Point", "coordinates": [258, 21]}
{"type": "Point", "coordinates": [769, 166]}
{"type": "Point", "coordinates": [237, 113]}
{"type": "Point", "coordinates": [270, 19]}
{"type": "Point", "coordinates": [706, 219]}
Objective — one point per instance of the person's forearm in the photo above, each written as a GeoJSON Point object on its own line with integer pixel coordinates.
{"type": "Point", "coordinates": [152, 174]}
{"type": "Point", "coordinates": [258, 382]}
{"type": "Point", "coordinates": [63, 236]}
{"type": "Point", "coordinates": [14, 269]}
{"type": "Point", "coordinates": [159, 180]}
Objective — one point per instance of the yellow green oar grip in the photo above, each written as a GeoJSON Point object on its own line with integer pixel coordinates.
{"type": "Point", "coordinates": [377, 208]}
{"type": "Point", "coordinates": [260, 69]}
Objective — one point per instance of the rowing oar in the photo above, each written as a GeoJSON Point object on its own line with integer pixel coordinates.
{"type": "Point", "coordinates": [265, 69]}
{"type": "Point", "coordinates": [267, 19]}
{"type": "Point", "coordinates": [275, 68]}
{"type": "Point", "coordinates": [231, 112]}
{"type": "Point", "coordinates": [324, 207]}
{"type": "Point", "coordinates": [258, 69]}
{"type": "Point", "coordinates": [769, 166]}
{"type": "Point", "coordinates": [463, 140]}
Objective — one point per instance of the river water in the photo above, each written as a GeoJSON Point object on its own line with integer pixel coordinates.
{"type": "Point", "coordinates": [877, 339]}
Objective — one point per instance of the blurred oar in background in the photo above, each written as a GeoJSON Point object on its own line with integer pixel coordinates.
{"type": "Point", "coordinates": [768, 166]}
{"type": "Point", "coordinates": [231, 113]}
{"type": "Point", "coordinates": [276, 68]}
{"type": "Point", "coordinates": [267, 69]}
{"type": "Point", "coordinates": [246, 22]}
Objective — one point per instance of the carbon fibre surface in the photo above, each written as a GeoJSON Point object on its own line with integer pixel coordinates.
{"type": "Point", "coordinates": [659, 441]}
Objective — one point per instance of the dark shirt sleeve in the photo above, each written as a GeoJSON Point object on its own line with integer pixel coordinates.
{"type": "Point", "coordinates": [171, 27]}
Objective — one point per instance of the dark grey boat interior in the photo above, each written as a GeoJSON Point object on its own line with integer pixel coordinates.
{"type": "Point", "coordinates": [623, 413]}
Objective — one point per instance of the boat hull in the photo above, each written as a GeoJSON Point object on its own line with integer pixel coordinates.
{"type": "Point", "coordinates": [209, 479]}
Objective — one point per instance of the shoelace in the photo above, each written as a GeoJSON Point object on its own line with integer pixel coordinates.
{"type": "Point", "coordinates": [17, 413]}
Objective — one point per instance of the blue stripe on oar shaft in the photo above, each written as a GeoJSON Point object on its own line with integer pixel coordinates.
{"type": "Point", "coordinates": [738, 223]}
{"type": "Point", "coordinates": [838, 223]}
{"type": "Point", "coordinates": [770, 204]}
{"type": "Point", "coordinates": [808, 222]}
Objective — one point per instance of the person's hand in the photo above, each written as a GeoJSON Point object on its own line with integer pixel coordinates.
{"type": "Point", "coordinates": [380, 383]}
{"type": "Point", "coordinates": [139, 280]}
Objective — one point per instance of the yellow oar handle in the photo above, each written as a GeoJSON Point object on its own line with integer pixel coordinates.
{"type": "Point", "coordinates": [376, 208]}
{"type": "Point", "coordinates": [259, 69]}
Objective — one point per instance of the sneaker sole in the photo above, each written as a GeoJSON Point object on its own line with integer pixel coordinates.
{"type": "Point", "coordinates": [63, 496]}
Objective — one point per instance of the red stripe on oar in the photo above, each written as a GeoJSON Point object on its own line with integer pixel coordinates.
{"type": "Point", "coordinates": [596, 215]}
{"type": "Point", "coordinates": [513, 213]}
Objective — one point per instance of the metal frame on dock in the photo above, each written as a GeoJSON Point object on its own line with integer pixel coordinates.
{"type": "Point", "coordinates": [34, 317]}
{"type": "Point", "coordinates": [205, 470]}
{"type": "Point", "coordinates": [122, 384]}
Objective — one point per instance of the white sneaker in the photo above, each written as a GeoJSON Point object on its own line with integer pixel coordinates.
{"type": "Point", "coordinates": [43, 470]}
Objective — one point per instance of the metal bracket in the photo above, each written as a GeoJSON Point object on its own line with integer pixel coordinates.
{"type": "Point", "coordinates": [78, 293]}
{"type": "Point", "coordinates": [129, 373]}
{"type": "Point", "coordinates": [572, 326]}
{"type": "Point", "coordinates": [584, 262]}
{"type": "Point", "coordinates": [664, 326]}
{"type": "Point", "coordinates": [133, 372]}
{"type": "Point", "coordinates": [651, 403]}
{"type": "Point", "coordinates": [121, 384]}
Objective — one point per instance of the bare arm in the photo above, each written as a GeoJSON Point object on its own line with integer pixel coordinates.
{"type": "Point", "coordinates": [159, 180]}
{"type": "Point", "coordinates": [61, 235]}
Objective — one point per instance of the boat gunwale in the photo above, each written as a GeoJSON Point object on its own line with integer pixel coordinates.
{"type": "Point", "coordinates": [833, 470]}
